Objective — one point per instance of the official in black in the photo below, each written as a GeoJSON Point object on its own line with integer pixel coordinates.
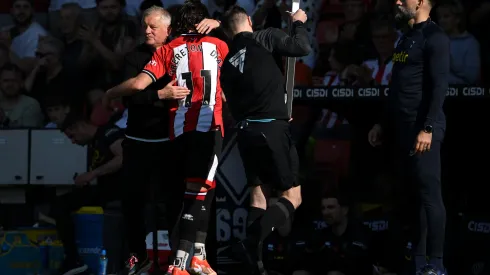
{"type": "Point", "coordinates": [414, 125]}
{"type": "Point", "coordinates": [253, 82]}
{"type": "Point", "coordinates": [105, 154]}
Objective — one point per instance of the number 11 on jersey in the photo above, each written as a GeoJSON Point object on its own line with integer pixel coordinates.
{"type": "Point", "coordinates": [206, 98]}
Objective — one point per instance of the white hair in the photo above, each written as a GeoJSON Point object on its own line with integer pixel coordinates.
{"type": "Point", "coordinates": [164, 14]}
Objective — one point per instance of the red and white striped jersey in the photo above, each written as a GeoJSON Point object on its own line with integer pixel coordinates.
{"type": "Point", "coordinates": [195, 61]}
{"type": "Point", "coordinates": [331, 119]}
{"type": "Point", "coordinates": [381, 71]}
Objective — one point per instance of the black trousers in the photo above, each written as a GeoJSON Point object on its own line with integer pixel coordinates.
{"type": "Point", "coordinates": [421, 211]}
{"type": "Point", "coordinates": [63, 207]}
{"type": "Point", "coordinates": [149, 173]}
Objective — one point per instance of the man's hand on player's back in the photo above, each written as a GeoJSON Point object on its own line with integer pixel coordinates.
{"type": "Point", "coordinates": [173, 92]}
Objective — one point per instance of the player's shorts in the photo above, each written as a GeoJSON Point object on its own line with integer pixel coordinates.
{"type": "Point", "coordinates": [198, 153]}
{"type": "Point", "coordinates": [268, 154]}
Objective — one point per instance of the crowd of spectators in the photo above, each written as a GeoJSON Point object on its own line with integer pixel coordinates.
{"type": "Point", "coordinates": [62, 54]}
{"type": "Point", "coordinates": [77, 51]}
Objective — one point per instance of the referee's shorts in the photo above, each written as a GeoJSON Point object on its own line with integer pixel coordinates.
{"type": "Point", "coordinates": [268, 154]}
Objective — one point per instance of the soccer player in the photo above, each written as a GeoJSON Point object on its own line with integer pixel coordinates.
{"type": "Point", "coordinates": [414, 126]}
{"type": "Point", "coordinates": [253, 82]}
{"type": "Point", "coordinates": [147, 146]}
{"type": "Point", "coordinates": [192, 61]}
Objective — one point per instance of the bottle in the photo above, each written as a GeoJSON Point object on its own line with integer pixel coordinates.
{"type": "Point", "coordinates": [103, 263]}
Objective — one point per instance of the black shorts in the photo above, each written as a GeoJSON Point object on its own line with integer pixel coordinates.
{"type": "Point", "coordinates": [268, 154]}
{"type": "Point", "coordinates": [147, 164]}
{"type": "Point", "coordinates": [198, 153]}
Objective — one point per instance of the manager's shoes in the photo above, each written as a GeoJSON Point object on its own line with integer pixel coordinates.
{"type": "Point", "coordinates": [431, 270]}
{"type": "Point", "coordinates": [72, 268]}
{"type": "Point", "coordinates": [137, 265]}
{"type": "Point", "coordinates": [246, 252]}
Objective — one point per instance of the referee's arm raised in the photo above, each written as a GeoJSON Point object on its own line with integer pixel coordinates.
{"type": "Point", "coordinates": [276, 40]}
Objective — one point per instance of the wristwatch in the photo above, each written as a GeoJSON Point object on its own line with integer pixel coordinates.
{"type": "Point", "coordinates": [428, 129]}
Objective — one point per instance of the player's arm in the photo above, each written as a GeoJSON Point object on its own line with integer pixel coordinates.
{"type": "Point", "coordinates": [130, 86]}
{"type": "Point", "coordinates": [147, 96]}
{"type": "Point", "coordinates": [439, 66]}
{"type": "Point", "coordinates": [115, 163]}
{"type": "Point", "coordinates": [276, 40]}
{"type": "Point", "coordinates": [152, 71]}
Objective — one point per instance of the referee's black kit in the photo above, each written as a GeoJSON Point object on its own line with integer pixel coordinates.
{"type": "Point", "coordinates": [254, 84]}
{"type": "Point", "coordinates": [417, 92]}
{"type": "Point", "coordinates": [147, 152]}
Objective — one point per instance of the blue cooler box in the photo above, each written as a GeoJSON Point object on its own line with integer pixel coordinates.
{"type": "Point", "coordinates": [89, 224]}
{"type": "Point", "coordinates": [18, 256]}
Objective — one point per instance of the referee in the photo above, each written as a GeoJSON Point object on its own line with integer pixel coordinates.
{"type": "Point", "coordinates": [253, 81]}
{"type": "Point", "coordinates": [414, 125]}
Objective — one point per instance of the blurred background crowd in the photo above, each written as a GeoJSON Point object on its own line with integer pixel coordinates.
{"type": "Point", "coordinates": [62, 54]}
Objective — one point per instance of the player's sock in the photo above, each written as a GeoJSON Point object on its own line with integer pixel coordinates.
{"type": "Point", "coordinates": [275, 216]}
{"type": "Point", "coordinates": [189, 223]}
{"type": "Point", "coordinates": [202, 228]}
{"type": "Point", "coordinates": [182, 254]}
{"type": "Point", "coordinates": [253, 220]}
{"type": "Point", "coordinates": [199, 246]}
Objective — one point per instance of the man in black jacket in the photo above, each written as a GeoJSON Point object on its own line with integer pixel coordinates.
{"type": "Point", "coordinates": [252, 78]}
{"type": "Point", "coordinates": [414, 124]}
{"type": "Point", "coordinates": [147, 149]}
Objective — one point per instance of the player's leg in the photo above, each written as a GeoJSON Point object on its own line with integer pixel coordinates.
{"type": "Point", "coordinates": [201, 165]}
{"type": "Point", "coordinates": [206, 168]}
{"type": "Point", "coordinates": [202, 229]}
{"type": "Point", "coordinates": [428, 178]}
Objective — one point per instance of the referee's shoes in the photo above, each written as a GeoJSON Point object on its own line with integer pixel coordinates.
{"type": "Point", "coordinates": [246, 251]}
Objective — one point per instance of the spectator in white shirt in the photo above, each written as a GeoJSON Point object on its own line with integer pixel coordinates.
{"type": "Point", "coordinates": [18, 110]}
{"type": "Point", "coordinates": [22, 38]}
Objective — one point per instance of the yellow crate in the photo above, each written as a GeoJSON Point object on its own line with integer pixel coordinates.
{"type": "Point", "coordinates": [95, 210]}
{"type": "Point", "coordinates": [37, 236]}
